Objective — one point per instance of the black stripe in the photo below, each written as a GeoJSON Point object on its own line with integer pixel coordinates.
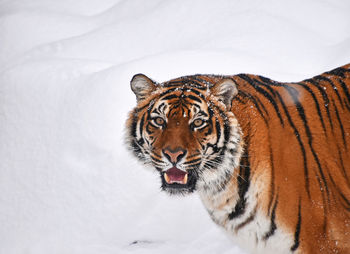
{"type": "Point", "coordinates": [297, 230]}
{"type": "Point", "coordinates": [237, 98]}
{"type": "Point", "coordinates": [259, 103]}
{"type": "Point", "coordinates": [318, 109]}
{"type": "Point", "coordinates": [218, 130]}
{"type": "Point", "coordinates": [243, 183]}
{"type": "Point", "coordinates": [227, 129]}
{"type": "Point", "coordinates": [157, 160]}
{"type": "Point", "coordinates": [246, 221]}
{"type": "Point", "coordinates": [137, 150]}
{"type": "Point", "coordinates": [198, 107]}
{"type": "Point", "coordinates": [194, 98]}
{"type": "Point", "coordinates": [273, 226]}
{"type": "Point", "coordinates": [193, 167]}
{"type": "Point", "coordinates": [233, 151]}
{"type": "Point", "coordinates": [202, 113]}
{"type": "Point", "coordinates": [185, 81]}
{"type": "Point", "coordinates": [345, 89]}
{"type": "Point", "coordinates": [156, 154]}
{"type": "Point", "coordinates": [210, 120]}
{"type": "Point", "coordinates": [338, 72]}
{"type": "Point", "coordinates": [294, 94]}
{"type": "Point", "coordinates": [272, 185]}
{"type": "Point", "coordinates": [268, 96]}
{"type": "Point", "coordinates": [142, 123]}
{"type": "Point", "coordinates": [161, 107]}
{"type": "Point", "coordinates": [322, 78]}
{"type": "Point", "coordinates": [256, 101]}
{"type": "Point", "coordinates": [215, 161]}
{"type": "Point", "coordinates": [301, 144]}
{"type": "Point", "coordinates": [169, 97]}
{"type": "Point", "coordinates": [180, 82]}
{"type": "Point", "coordinates": [347, 104]}
{"type": "Point", "coordinates": [149, 109]}
{"type": "Point", "coordinates": [340, 125]}
{"type": "Point", "coordinates": [227, 132]}
{"type": "Point", "coordinates": [193, 90]}
{"type": "Point", "coordinates": [325, 98]}
{"type": "Point", "coordinates": [267, 83]}
{"type": "Point", "coordinates": [197, 83]}
{"type": "Point", "coordinates": [342, 166]}
{"type": "Point", "coordinates": [192, 161]}
{"type": "Point", "coordinates": [347, 201]}
{"type": "Point", "coordinates": [202, 81]}
{"type": "Point", "coordinates": [133, 126]}
{"type": "Point", "coordinates": [150, 124]}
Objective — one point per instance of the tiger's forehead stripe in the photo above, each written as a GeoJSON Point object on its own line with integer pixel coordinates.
{"type": "Point", "coordinates": [194, 98]}
{"type": "Point", "coordinates": [187, 97]}
{"type": "Point", "coordinates": [183, 89]}
{"type": "Point", "coordinates": [186, 82]}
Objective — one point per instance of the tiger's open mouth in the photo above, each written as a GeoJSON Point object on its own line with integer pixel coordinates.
{"type": "Point", "coordinates": [176, 180]}
{"type": "Point", "coordinates": [175, 175]}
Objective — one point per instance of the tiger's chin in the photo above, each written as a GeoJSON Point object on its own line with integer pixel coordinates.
{"type": "Point", "coordinates": [177, 182]}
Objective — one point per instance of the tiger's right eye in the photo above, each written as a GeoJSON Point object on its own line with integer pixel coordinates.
{"type": "Point", "coordinates": [159, 121]}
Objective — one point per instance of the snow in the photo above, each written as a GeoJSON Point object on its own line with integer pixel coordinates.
{"type": "Point", "coordinates": [67, 183]}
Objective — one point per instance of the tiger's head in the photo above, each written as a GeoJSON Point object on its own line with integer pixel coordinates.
{"type": "Point", "coordinates": [185, 130]}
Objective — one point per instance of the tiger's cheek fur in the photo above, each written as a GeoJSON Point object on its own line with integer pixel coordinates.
{"type": "Point", "coordinates": [222, 153]}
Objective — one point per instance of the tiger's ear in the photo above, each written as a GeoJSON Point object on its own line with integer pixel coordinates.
{"type": "Point", "coordinates": [225, 90]}
{"type": "Point", "coordinates": [142, 86]}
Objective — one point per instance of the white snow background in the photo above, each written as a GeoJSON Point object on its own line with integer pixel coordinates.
{"type": "Point", "coordinates": [67, 183]}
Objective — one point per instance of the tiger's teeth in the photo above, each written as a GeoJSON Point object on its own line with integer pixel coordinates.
{"type": "Point", "coordinates": [185, 179]}
{"type": "Point", "coordinates": [166, 177]}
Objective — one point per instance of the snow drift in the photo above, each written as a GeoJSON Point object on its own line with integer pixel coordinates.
{"type": "Point", "coordinates": [67, 184]}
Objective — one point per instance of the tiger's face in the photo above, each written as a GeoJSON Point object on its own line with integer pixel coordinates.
{"type": "Point", "coordinates": [186, 132]}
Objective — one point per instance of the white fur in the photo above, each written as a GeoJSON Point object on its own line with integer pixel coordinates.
{"type": "Point", "coordinates": [249, 237]}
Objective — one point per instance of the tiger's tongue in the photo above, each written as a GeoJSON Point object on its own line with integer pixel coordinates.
{"type": "Point", "coordinates": [175, 175]}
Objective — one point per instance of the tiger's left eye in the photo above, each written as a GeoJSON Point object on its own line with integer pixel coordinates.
{"type": "Point", "coordinates": [198, 122]}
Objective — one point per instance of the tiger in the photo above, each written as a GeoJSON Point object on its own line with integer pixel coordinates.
{"type": "Point", "coordinates": [269, 160]}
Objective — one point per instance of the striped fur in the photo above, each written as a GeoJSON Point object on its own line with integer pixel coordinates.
{"type": "Point", "coordinates": [271, 162]}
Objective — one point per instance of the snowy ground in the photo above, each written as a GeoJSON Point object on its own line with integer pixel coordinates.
{"type": "Point", "coordinates": [67, 185]}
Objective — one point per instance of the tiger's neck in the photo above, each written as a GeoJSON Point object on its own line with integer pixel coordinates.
{"type": "Point", "coordinates": [237, 201]}
{"type": "Point", "coordinates": [237, 185]}
{"type": "Point", "coordinates": [242, 206]}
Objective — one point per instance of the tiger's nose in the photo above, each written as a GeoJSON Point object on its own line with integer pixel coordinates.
{"type": "Point", "coordinates": [174, 156]}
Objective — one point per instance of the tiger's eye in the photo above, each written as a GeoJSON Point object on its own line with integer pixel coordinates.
{"type": "Point", "coordinates": [159, 121]}
{"type": "Point", "coordinates": [198, 122]}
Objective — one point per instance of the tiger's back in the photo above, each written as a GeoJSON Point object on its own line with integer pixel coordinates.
{"type": "Point", "coordinates": [281, 179]}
